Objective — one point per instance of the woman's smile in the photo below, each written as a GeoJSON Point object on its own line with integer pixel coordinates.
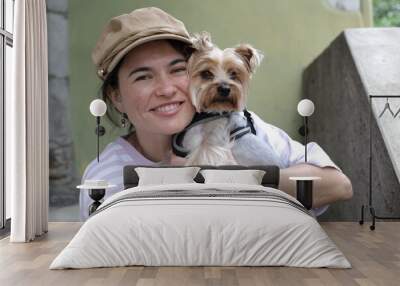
{"type": "Point", "coordinates": [168, 109]}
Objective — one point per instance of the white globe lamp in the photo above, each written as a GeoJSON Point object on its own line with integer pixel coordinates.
{"type": "Point", "coordinates": [98, 107]}
{"type": "Point", "coordinates": [305, 107]}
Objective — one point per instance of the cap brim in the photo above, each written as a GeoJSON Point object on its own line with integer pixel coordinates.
{"type": "Point", "coordinates": [142, 41]}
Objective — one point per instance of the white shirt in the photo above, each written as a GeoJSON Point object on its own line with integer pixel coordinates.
{"type": "Point", "coordinates": [120, 153]}
{"type": "Point", "coordinates": [290, 151]}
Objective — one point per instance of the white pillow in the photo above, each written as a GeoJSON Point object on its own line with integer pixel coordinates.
{"type": "Point", "coordinates": [248, 177]}
{"type": "Point", "coordinates": [162, 176]}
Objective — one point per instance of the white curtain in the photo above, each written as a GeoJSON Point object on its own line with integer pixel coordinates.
{"type": "Point", "coordinates": [27, 173]}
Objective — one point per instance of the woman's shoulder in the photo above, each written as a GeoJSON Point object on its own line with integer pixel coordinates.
{"type": "Point", "coordinates": [113, 154]}
{"type": "Point", "coordinates": [113, 150]}
{"type": "Point", "coordinates": [261, 125]}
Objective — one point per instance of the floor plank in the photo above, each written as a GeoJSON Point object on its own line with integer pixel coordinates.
{"type": "Point", "coordinates": [374, 255]}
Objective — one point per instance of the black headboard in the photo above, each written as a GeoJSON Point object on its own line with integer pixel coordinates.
{"type": "Point", "coordinates": [270, 179]}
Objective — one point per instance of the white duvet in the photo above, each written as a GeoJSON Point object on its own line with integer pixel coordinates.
{"type": "Point", "coordinates": [207, 230]}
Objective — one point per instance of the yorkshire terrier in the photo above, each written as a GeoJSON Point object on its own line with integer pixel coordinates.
{"type": "Point", "coordinates": [222, 131]}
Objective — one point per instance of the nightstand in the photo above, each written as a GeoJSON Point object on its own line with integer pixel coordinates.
{"type": "Point", "coordinates": [97, 190]}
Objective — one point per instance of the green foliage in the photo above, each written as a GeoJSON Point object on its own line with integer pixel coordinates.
{"type": "Point", "coordinates": [386, 13]}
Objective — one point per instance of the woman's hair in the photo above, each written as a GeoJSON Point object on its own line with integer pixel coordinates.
{"type": "Point", "coordinates": [110, 83]}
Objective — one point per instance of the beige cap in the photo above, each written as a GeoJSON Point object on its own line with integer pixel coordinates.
{"type": "Point", "coordinates": [127, 31]}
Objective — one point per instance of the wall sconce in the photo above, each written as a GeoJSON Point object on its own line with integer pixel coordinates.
{"type": "Point", "coordinates": [304, 185]}
{"type": "Point", "coordinates": [98, 108]}
{"type": "Point", "coordinates": [305, 108]}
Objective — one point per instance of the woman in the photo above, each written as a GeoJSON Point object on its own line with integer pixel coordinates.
{"type": "Point", "coordinates": [141, 58]}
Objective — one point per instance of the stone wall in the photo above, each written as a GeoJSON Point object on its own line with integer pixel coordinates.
{"type": "Point", "coordinates": [63, 177]}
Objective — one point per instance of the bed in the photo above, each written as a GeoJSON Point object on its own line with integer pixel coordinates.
{"type": "Point", "coordinates": [201, 223]}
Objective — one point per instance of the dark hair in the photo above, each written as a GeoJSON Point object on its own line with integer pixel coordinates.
{"type": "Point", "coordinates": [110, 83]}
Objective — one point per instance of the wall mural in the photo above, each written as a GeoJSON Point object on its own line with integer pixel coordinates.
{"type": "Point", "coordinates": [209, 106]}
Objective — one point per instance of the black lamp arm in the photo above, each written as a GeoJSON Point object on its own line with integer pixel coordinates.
{"type": "Point", "coordinates": [100, 131]}
{"type": "Point", "coordinates": [305, 137]}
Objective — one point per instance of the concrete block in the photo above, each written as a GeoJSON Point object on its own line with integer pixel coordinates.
{"type": "Point", "coordinates": [359, 62]}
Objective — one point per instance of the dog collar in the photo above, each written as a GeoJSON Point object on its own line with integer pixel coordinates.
{"type": "Point", "coordinates": [203, 117]}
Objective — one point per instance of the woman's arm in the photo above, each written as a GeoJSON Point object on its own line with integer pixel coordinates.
{"type": "Point", "coordinates": [333, 186]}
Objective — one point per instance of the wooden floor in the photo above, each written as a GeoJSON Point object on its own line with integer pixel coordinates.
{"type": "Point", "coordinates": [374, 255]}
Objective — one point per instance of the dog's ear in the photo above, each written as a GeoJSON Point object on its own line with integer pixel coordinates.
{"type": "Point", "coordinates": [202, 41]}
{"type": "Point", "coordinates": [250, 56]}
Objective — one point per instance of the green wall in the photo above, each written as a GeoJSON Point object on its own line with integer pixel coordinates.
{"type": "Point", "coordinates": [290, 33]}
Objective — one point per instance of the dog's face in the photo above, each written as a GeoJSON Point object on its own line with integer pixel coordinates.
{"type": "Point", "coordinates": [219, 79]}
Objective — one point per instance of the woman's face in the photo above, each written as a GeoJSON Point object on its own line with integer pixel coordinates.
{"type": "Point", "coordinates": [153, 89]}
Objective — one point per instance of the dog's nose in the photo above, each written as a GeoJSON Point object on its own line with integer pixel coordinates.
{"type": "Point", "coordinates": [223, 90]}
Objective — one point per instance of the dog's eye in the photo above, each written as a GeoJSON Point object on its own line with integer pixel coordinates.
{"type": "Point", "coordinates": [233, 75]}
{"type": "Point", "coordinates": [206, 75]}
